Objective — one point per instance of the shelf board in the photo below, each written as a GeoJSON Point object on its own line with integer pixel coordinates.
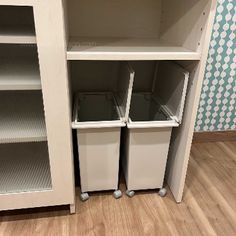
{"type": "Point", "coordinates": [19, 74]}
{"type": "Point", "coordinates": [22, 117]}
{"type": "Point", "coordinates": [17, 34]}
{"type": "Point", "coordinates": [17, 2]}
{"type": "Point", "coordinates": [24, 168]}
{"type": "Point", "coordinates": [126, 49]}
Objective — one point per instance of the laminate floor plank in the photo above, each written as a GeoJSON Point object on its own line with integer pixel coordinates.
{"type": "Point", "coordinates": [208, 206]}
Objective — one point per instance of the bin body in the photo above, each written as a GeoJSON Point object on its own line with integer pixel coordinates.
{"type": "Point", "coordinates": [144, 161]}
{"type": "Point", "coordinates": [99, 152]}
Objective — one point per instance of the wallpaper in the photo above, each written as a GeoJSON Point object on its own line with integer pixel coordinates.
{"type": "Point", "coordinates": [217, 107]}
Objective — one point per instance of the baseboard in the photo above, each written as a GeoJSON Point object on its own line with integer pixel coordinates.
{"type": "Point", "coordinates": [214, 136]}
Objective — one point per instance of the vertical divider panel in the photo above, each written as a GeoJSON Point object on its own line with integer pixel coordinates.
{"type": "Point", "coordinates": [182, 137]}
{"type": "Point", "coordinates": [51, 39]}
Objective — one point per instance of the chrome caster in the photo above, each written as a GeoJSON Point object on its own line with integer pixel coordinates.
{"type": "Point", "coordinates": [117, 194]}
{"type": "Point", "coordinates": [162, 192]}
{"type": "Point", "coordinates": [130, 193]}
{"type": "Point", "coordinates": [84, 197]}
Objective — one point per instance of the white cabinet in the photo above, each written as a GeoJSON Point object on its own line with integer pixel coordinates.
{"type": "Point", "coordinates": [28, 166]}
{"type": "Point", "coordinates": [89, 32]}
{"type": "Point", "coordinates": [153, 30]}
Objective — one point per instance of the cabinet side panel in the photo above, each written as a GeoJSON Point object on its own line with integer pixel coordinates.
{"type": "Point", "coordinates": [182, 136]}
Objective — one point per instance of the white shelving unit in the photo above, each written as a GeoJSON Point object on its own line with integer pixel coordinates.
{"type": "Point", "coordinates": [151, 30]}
{"type": "Point", "coordinates": [99, 30]}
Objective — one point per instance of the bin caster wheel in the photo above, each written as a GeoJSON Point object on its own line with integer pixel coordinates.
{"type": "Point", "coordinates": [117, 194]}
{"type": "Point", "coordinates": [84, 197]}
{"type": "Point", "coordinates": [130, 193]}
{"type": "Point", "coordinates": [162, 192]}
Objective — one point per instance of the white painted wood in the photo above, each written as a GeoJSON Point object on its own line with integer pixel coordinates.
{"type": "Point", "coordinates": [182, 137]}
{"type": "Point", "coordinates": [184, 22]}
{"type": "Point", "coordinates": [17, 2]}
{"type": "Point", "coordinates": [60, 166]}
{"type": "Point", "coordinates": [127, 49]}
{"type": "Point", "coordinates": [99, 153]}
{"type": "Point", "coordinates": [19, 71]}
{"type": "Point", "coordinates": [24, 168]}
{"type": "Point", "coordinates": [22, 117]}
{"type": "Point", "coordinates": [146, 155]}
{"type": "Point", "coordinates": [50, 32]}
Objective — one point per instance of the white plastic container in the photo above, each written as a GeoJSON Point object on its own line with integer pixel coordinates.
{"type": "Point", "coordinates": [152, 117]}
{"type": "Point", "coordinates": [98, 118]}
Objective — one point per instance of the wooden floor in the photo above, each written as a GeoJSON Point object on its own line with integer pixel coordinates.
{"type": "Point", "coordinates": [208, 207]}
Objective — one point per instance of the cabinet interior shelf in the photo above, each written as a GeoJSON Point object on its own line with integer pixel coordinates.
{"type": "Point", "coordinates": [19, 74]}
{"type": "Point", "coordinates": [127, 49]}
{"type": "Point", "coordinates": [17, 35]}
{"type": "Point", "coordinates": [22, 117]}
{"type": "Point", "coordinates": [24, 168]}
{"type": "Point", "coordinates": [17, 25]}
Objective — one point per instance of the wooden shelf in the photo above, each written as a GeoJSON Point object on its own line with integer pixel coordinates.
{"type": "Point", "coordinates": [22, 117]}
{"type": "Point", "coordinates": [126, 49]}
{"type": "Point", "coordinates": [19, 74]}
{"type": "Point", "coordinates": [17, 34]}
{"type": "Point", "coordinates": [24, 168]}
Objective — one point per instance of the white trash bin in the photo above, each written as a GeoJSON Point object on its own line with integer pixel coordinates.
{"type": "Point", "coordinates": [98, 118]}
{"type": "Point", "coordinates": [152, 116]}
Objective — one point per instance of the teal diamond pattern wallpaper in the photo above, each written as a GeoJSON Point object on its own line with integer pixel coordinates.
{"type": "Point", "coordinates": [217, 107]}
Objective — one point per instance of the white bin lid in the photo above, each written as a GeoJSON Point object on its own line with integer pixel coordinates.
{"type": "Point", "coordinates": [171, 87]}
{"type": "Point", "coordinates": [124, 92]}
